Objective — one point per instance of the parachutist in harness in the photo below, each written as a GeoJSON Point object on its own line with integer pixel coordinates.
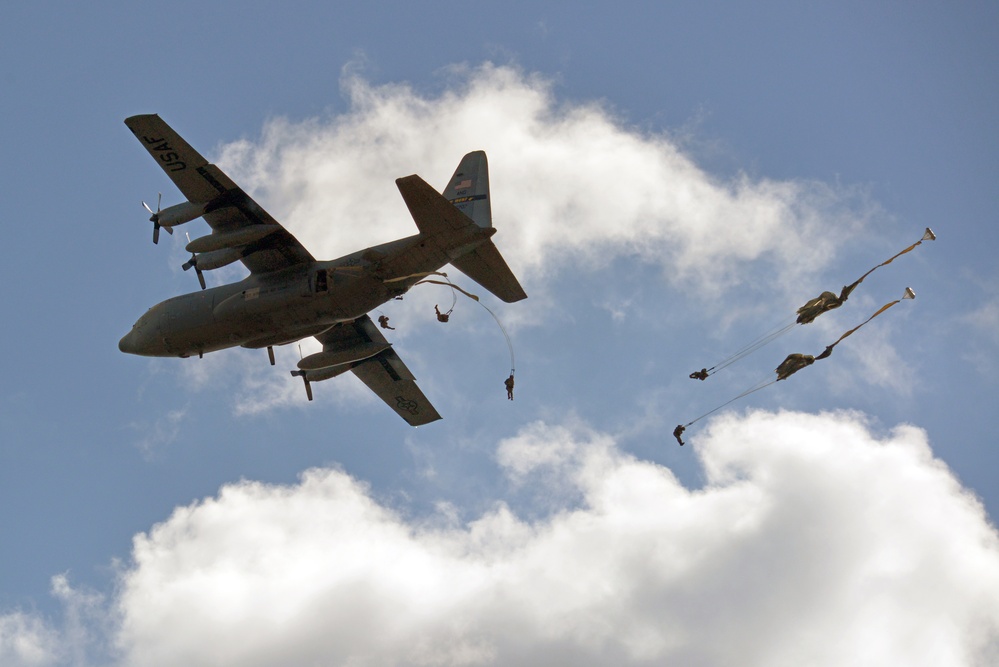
{"type": "Point", "coordinates": [677, 432]}
{"type": "Point", "coordinates": [442, 317]}
{"type": "Point", "coordinates": [509, 387]}
{"type": "Point", "coordinates": [384, 322]}
{"type": "Point", "coordinates": [699, 375]}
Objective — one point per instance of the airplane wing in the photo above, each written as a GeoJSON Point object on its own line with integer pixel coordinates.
{"type": "Point", "coordinates": [385, 373]}
{"type": "Point", "coordinates": [228, 208]}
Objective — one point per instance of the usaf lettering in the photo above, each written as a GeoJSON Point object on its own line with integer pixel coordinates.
{"type": "Point", "coordinates": [167, 155]}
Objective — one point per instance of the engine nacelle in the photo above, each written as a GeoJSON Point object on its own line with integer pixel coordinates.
{"type": "Point", "coordinates": [360, 352]}
{"type": "Point", "coordinates": [215, 259]}
{"type": "Point", "coordinates": [178, 214]}
{"type": "Point", "coordinates": [234, 239]}
{"type": "Point", "coordinates": [325, 373]}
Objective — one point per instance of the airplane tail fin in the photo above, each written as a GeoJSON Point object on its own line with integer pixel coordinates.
{"type": "Point", "coordinates": [461, 221]}
{"type": "Point", "coordinates": [468, 189]}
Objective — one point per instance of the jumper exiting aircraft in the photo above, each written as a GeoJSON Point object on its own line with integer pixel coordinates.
{"type": "Point", "coordinates": [289, 295]}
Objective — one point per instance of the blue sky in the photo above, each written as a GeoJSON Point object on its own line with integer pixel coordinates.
{"type": "Point", "coordinates": [668, 182]}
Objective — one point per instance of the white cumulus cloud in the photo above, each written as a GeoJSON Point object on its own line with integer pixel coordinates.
{"type": "Point", "coordinates": [26, 640]}
{"type": "Point", "coordinates": [814, 540]}
{"type": "Point", "coordinates": [572, 184]}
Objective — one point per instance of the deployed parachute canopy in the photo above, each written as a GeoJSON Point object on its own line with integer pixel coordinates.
{"type": "Point", "coordinates": [792, 364]}
{"type": "Point", "coordinates": [827, 300]}
{"type": "Point", "coordinates": [795, 362]}
{"type": "Point", "coordinates": [806, 314]}
{"type": "Point", "coordinates": [908, 294]}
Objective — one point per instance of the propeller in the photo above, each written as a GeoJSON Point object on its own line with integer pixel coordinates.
{"type": "Point", "coordinates": [155, 218]}
{"type": "Point", "coordinates": [192, 263]}
{"type": "Point", "coordinates": [304, 375]}
{"type": "Point", "coordinates": [305, 378]}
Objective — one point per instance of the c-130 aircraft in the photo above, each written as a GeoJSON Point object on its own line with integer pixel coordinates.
{"type": "Point", "coordinates": [289, 295]}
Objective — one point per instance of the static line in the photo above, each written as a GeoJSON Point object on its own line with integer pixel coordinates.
{"type": "Point", "coordinates": [762, 384]}
{"type": "Point", "coordinates": [474, 297]}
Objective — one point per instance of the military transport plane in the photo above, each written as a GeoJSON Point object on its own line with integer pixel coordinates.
{"type": "Point", "coordinates": [289, 295]}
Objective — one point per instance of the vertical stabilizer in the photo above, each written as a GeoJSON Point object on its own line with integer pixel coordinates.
{"type": "Point", "coordinates": [462, 235]}
{"type": "Point", "coordinates": [468, 189]}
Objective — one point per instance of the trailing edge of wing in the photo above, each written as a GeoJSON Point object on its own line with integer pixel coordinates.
{"type": "Point", "coordinates": [382, 375]}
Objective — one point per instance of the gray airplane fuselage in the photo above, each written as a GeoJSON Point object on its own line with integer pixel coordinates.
{"type": "Point", "coordinates": [284, 306]}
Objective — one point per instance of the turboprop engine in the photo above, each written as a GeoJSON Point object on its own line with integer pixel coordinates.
{"type": "Point", "coordinates": [240, 237]}
{"type": "Point", "coordinates": [171, 216]}
{"type": "Point", "coordinates": [220, 249]}
{"type": "Point", "coordinates": [319, 375]}
{"type": "Point", "coordinates": [329, 358]}
{"type": "Point", "coordinates": [330, 363]}
{"type": "Point", "coordinates": [207, 261]}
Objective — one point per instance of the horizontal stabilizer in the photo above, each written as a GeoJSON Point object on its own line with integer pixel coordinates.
{"type": "Point", "coordinates": [486, 266]}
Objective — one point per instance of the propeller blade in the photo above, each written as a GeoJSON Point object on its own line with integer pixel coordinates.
{"type": "Point", "coordinates": [305, 378]}
{"type": "Point", "coordinates": [193, 263]}
{"type": "Point", "coordinates": [155, 218]}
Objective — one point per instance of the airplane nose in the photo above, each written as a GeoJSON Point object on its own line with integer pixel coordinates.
{"type": "Point", "coordinates": [127, 343]}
